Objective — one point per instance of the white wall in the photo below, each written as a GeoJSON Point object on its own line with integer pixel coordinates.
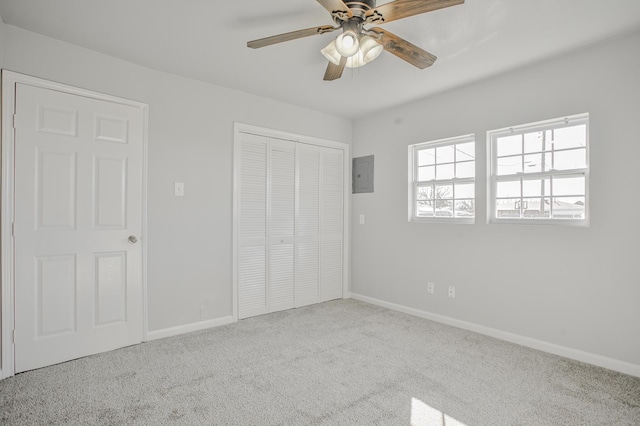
{"type": "Point", "coordinates": [574, 287]}
{"type": "Point", "coordinates": [190, 141]}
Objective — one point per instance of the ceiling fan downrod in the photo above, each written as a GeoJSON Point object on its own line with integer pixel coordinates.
{"type": "Point", "coordinates": [360, 8]}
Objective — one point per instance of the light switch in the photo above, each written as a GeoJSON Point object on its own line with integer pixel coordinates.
{"type": "Point", "coordinates": [179, 189]}
{"type": "Point", "coordinates": [361, 219]}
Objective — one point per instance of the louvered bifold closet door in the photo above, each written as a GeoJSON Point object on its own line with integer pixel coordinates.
{"type": "Point", "coordinates": [307, 288]}
{"type": "Point", "coordinates": [252, 226]}
{"type": "Point", "coordinates": [332, 223]}
{"type": "Point", "coordinates": [281, 223]}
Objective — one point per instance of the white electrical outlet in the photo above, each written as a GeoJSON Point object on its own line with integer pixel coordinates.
{"type": "Point", "coordinates": [430, 288]}
{"type": "Point", "coordinates": [178, 189]}
{"type": "Point", "coordinates": [361, 219]}
{"type": "Point", "coordinates": [203, 313]}
{"type": "Point", "coordinates": [452, 292]}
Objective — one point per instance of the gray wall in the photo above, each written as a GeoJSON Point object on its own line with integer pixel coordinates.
{"type": "Point", "coordinates": [2, 36]}
{"type": "Point", "coordinates": [2, 25]}
{"type": "Point", "coordinates": [190, 141]}
{"type": "Point", "coordinates": [574, 287]}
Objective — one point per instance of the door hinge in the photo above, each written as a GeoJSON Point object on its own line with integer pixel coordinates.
{"type": "Point", "coordinates": [15, 121]}
{"type": "Point", "coordinates": [13, 229]}
{"type": "Point", "coordinates": [13, 336]}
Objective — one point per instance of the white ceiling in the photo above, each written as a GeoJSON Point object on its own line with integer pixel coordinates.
{"type": "Point", "coordinates": [206, 40]}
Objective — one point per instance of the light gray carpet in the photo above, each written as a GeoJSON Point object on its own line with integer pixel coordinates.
{"type": "Point", "coordinates": [338, 363]}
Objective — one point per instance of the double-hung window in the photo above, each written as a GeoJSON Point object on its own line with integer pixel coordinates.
{"type": "Point", "coordinates": [540, 172]}
{"type": "Point", "coordinates": [442, 180]}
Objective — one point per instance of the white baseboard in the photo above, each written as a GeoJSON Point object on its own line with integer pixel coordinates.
{"type": "Point", "coordinates": [188, 328]}
{"type": "Point", "coordinates": [575, 354]}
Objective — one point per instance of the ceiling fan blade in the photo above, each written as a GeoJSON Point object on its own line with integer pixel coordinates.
{"type": "Point", "coordinates": [337, 9]}
{"type": "Point", "coordinates": [334, 71]}
{"type": "Point", "coordinates": [404, 8]}
{"type": "Point", "coordinates": [268, 41]}
{"type": "Point", "coordinates": [405, 50]}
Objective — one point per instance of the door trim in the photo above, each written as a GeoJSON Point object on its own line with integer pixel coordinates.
{"type": "Point", "coordinates": [7, 255]}
{"type": "Point", "coordinates": [239, 128]}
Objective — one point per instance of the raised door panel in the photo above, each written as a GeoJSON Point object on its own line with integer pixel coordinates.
{"type": "Point", "coordinates": [56, 190]}
{"type": "Point", "coordinates": [56, 295]}
{"type": "Point", "coordinates": [111, 129]}
{"type": "Point", "coordinates": [110, 193]}
{"type": "Point", "coordinates": [110, 288]}
{"type": "Point", "coordinates": [57, 120]}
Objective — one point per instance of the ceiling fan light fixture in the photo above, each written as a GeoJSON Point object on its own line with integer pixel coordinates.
{"type": "Point", "coordinates": [352, 16]}
{"type": "Point", "coordinates": [331, 53]}
{"type": "Point", "coordinates": [370, 49]}
{"type": "Point", "coordinates": [347, 43]}
{"type": "Point", "coordinates": [355, 61]}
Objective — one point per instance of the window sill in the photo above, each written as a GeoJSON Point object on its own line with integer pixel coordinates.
{"type": "Point", "coordinates": [447, 220]}
{"type": "Point", "coordinates": [580, 223]}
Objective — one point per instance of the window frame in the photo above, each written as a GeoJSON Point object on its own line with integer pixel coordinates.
{"type": "Point", "coordinates": [414, 184]}
{"type": "Point", "coordinates": [492, 156]}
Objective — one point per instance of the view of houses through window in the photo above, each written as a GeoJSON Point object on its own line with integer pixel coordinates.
{"type": "Point", "coordinates": [539, 171]}
{"type": "Point", "coordinates": [443, 176]}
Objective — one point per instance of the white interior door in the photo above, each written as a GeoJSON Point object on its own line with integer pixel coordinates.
{"type": "Point", "coordinates": [252, 225]}
{"type": "Point", "coordinates": [281, 224]}
{"type": "Point", "coordinates": [307, 289]}
{"type": "Point", "coordinates": [78, 215]}
{"type": "Point", "coordinates": [332, 228]}
{"type": "Point", "coordinates": [289, 230]}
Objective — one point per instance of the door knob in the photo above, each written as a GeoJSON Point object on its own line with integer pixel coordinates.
{"type": "Point", "coordinates": [133, 239]}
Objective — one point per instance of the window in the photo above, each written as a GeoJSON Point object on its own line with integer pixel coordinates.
{"type": "Point", "coordinates": [442, 180]}
{"type": "Point", "coordinates": [540, 172]}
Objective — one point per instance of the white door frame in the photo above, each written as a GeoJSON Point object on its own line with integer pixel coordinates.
{"type": "Point", "coordinates": [7, 255]}
{"type": "Point", "coordinates": [239, 128]}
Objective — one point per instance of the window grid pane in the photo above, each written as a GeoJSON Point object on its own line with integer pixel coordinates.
{"type": "Point", "coordinates": [567, 192]}
{"type": "Point", "coordinates": [555, 149]}
{"type": "Point", "coordinates": [444, 184]}
{"type": "Point", "coordinates": [541, 174]}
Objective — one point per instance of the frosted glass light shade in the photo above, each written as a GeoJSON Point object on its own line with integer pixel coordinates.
{"type": "Point", "coordinates": [370, 49]}
{"type": "Point", "coordinates": [355, 61]}
{"type": "Point", "coordinates": [331, 53]}
{"type": "Point", "coordinates": [347, 44]}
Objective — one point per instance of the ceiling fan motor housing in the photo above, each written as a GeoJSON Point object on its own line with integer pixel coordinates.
{"type": "Point", "coordinates": [359, 8]}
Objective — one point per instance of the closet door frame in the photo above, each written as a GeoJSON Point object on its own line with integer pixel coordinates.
{"type": "Point", "coordinates": [240, 128]}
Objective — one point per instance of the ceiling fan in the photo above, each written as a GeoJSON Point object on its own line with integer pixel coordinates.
{"type": "Point", "coordinates": [357, 45]}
